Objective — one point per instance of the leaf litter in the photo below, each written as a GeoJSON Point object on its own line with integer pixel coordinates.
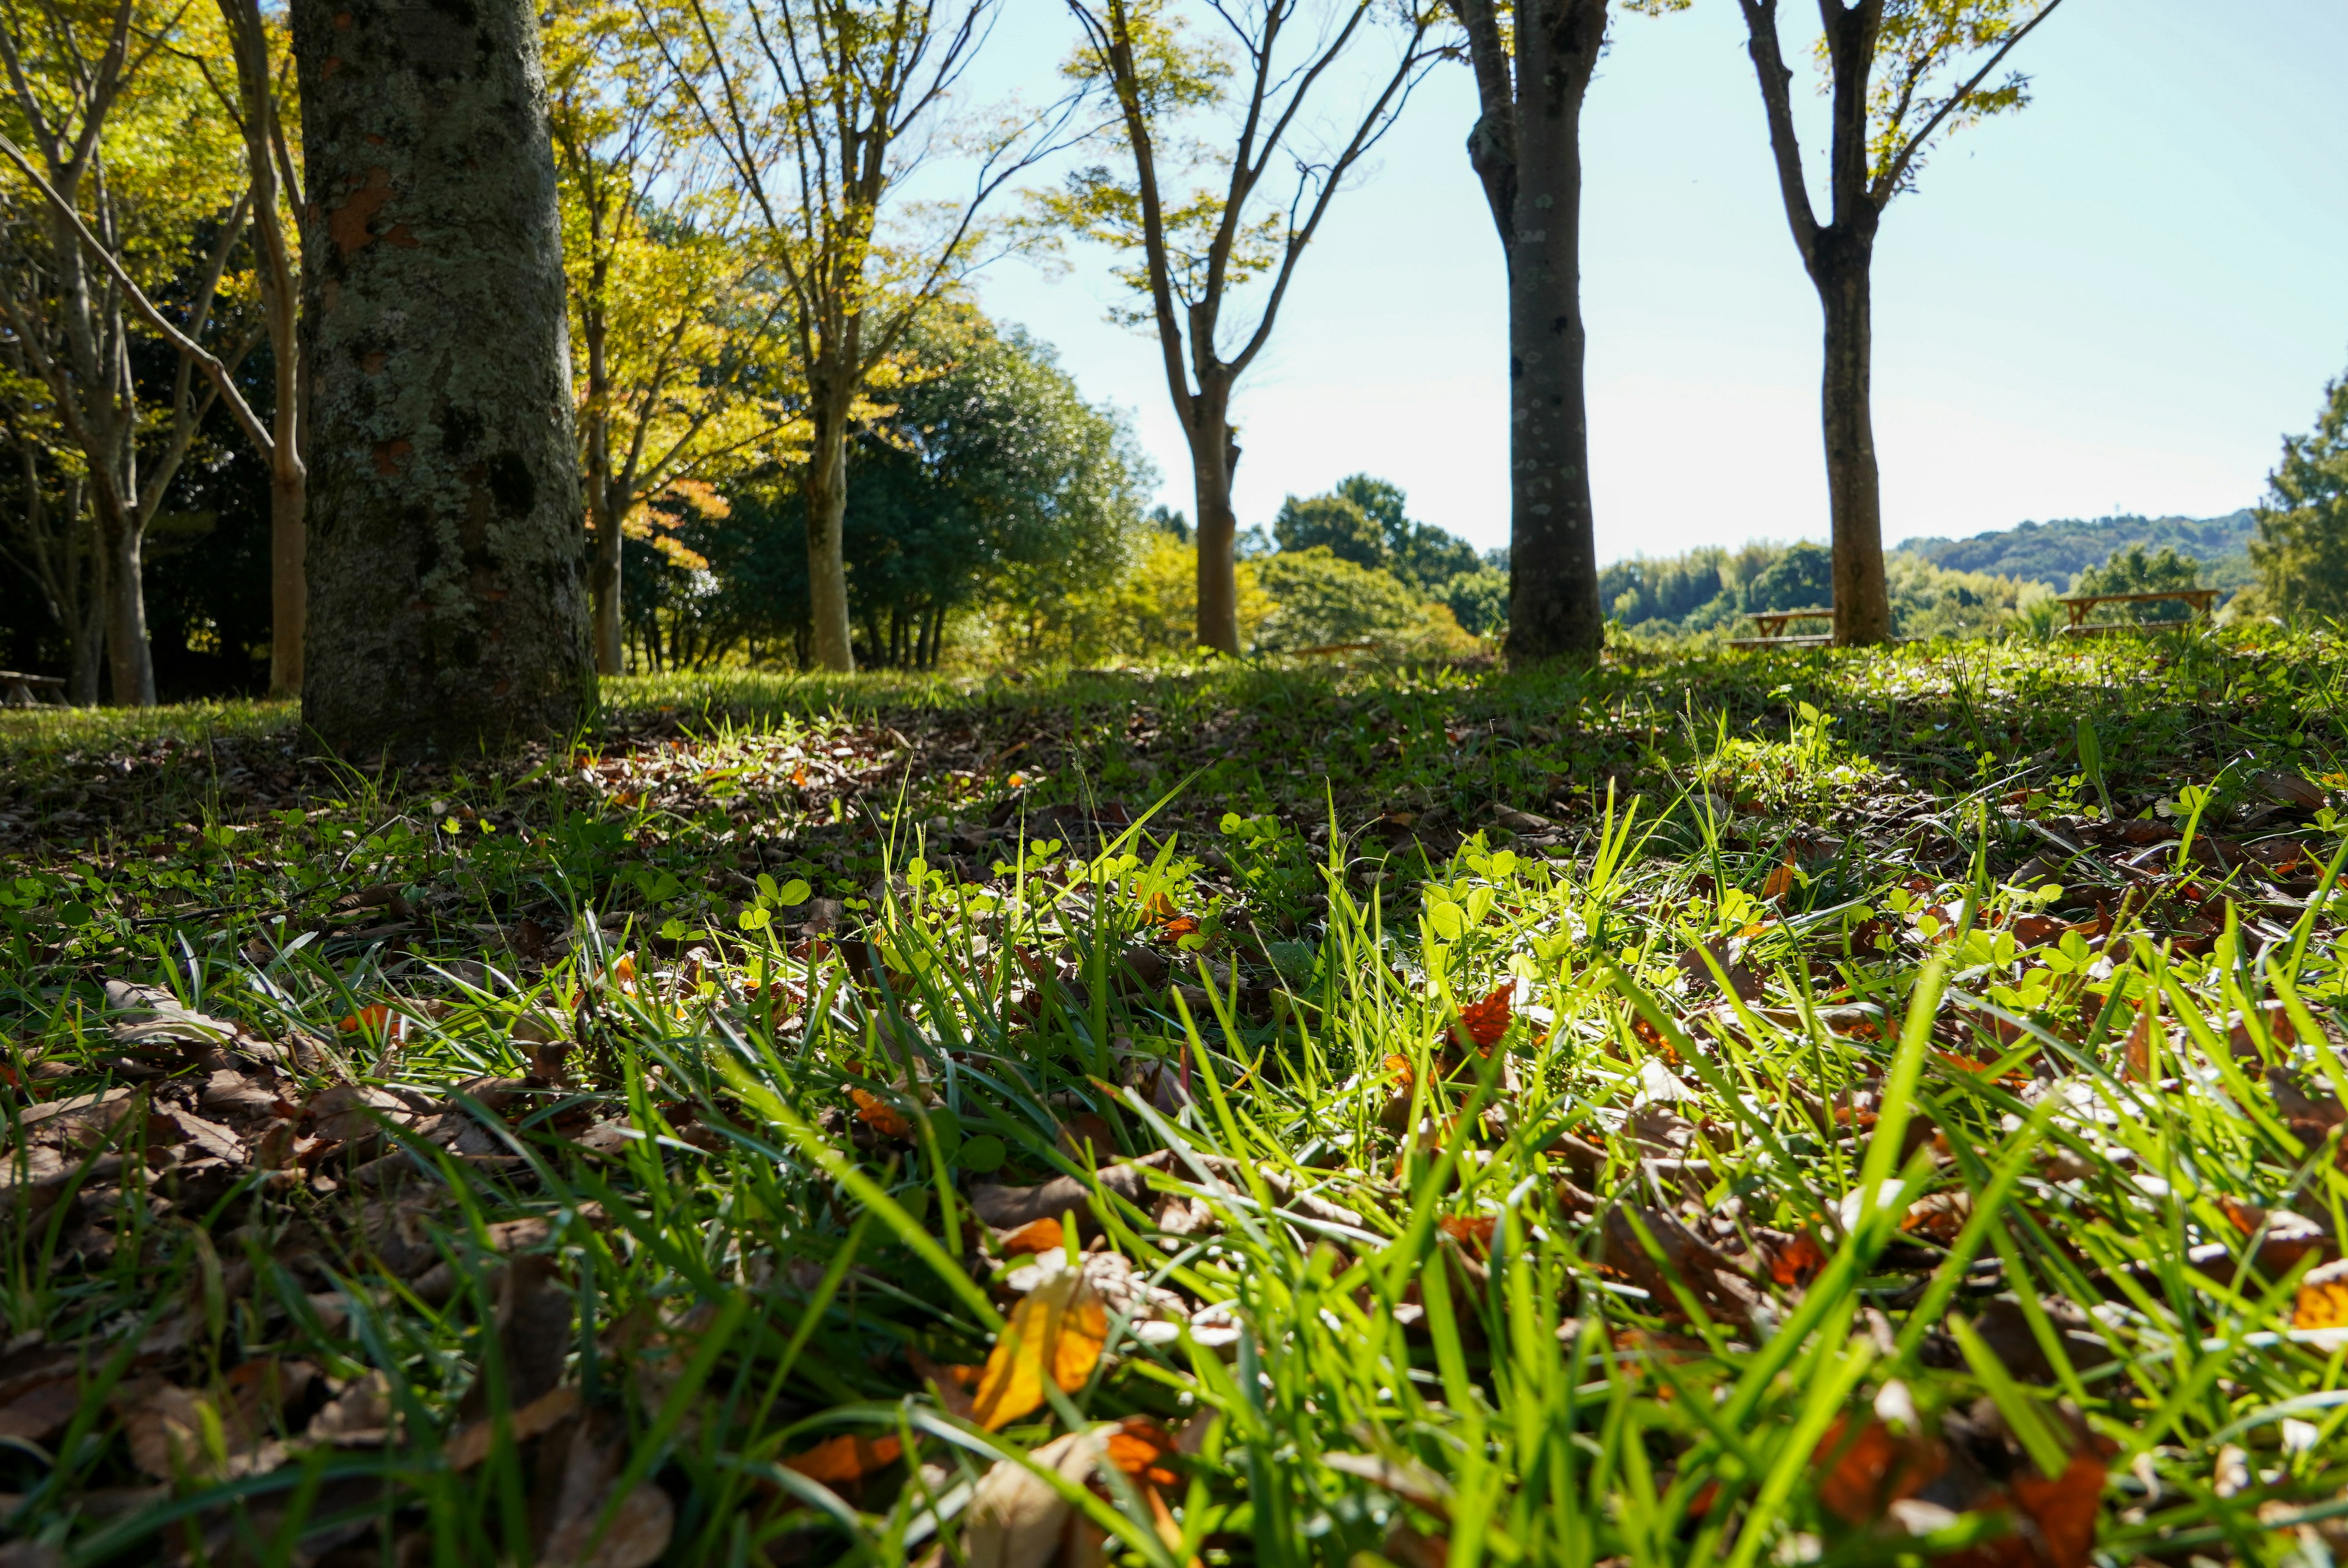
{"type": "Point", "coordinates": [1963, 1183]}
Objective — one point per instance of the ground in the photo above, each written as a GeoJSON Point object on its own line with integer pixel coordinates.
{"type": "Point", "coordinates": [1712, 1108]}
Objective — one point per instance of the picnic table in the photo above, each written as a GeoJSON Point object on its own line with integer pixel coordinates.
{"type": "Point", "coordinates": [2201, 600]}
{"type": "Point", "coordinates": [1769, 628]}
{"type": "Point", "coordinates": [21, 691]}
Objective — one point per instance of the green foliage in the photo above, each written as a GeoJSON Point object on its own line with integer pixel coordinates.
{"type": "Point", "coordinates": [2302, 548]}
{"type": "Point", "coordinates": [2134, 571]}
{"type": "Point", "coordinates": [1800, 579]}
{"type": "Point", "coordinates": [1321, 598]}
{"type": "Point", "coordinates": [1479, 600]}
{"type": "Point", "coordinates": [2054, 553]}
{"type": "Point", "coordinates": [989, 487]}
{"type": "Point", "coordinates": [1334, 523]}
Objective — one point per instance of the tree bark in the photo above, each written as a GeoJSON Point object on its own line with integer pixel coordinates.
{"type": "Point", "coordinates": [289, 549]}
{"type": "Point", "coordinates": [1526, 149]}
{"type": "Point", "coordinates": [826, 517]}
{"type": "Point", "coordinates": [602, 506]}
{"type": "Point", "coordinates": [1863, 601]}
{"type": "Point", "coordinates": [1214, 461]}
{"type": "Point", "coordinates": [130, 663]}
{"type": "Point", "coordinates": [1553, 608]}
{"type": "Point", "coordinates": [444, 550]}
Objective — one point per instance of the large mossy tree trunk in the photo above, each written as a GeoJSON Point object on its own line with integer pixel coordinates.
{"type": "Point", "coordinates": [448, 597]}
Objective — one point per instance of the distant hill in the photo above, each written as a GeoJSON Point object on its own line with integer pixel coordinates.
{"type": "Point", "coordinates": [2053, 553]}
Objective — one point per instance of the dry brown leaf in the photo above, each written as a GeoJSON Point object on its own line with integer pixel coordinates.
{"type": "Point", "coordinates": [572, 1507]}
{"type": "Point", "coordinates": [1870, 1470]}
{"type": "Point", "coordinates": [38, 1413]}
{"type": "Point", "coordinates": [879, 1115]}
{"type": "Point", "coordinates": [1780, 882]}
{"type": "Point", "coordinates": [1058, 1331]}
{"type": "Point", "coordinates": [470, 1446]}
{"type": "Point", "coordinates": [2062, 1509]}
{"type": "Point", "coordinates": [1019, 1519]}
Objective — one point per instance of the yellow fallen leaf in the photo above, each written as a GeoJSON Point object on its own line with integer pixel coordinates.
{"type": "Point", "coordinates": [1058, 1330]}
{"type": "Point", "coordinates": [2322, 1298]}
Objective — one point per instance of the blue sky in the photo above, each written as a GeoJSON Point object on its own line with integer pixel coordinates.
{"type": "Point", "coordinates": [2117, 300]}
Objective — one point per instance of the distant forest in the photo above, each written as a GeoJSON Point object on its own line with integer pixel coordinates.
{"type": "Point", "coordinates": [2054, 553]}
{"type": "Point", "coordinates": [1952, 587]}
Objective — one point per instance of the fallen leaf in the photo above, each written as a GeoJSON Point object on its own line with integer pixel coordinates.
{"type": "Point", "coordinates": [836, 1461]}
{"type": "Point", "coordinates": [2064, 1509]}
{"type": "Point", "coordinates": [1871, 1469]}
{"type": "Point", "coordinates": [471, 1444]}
{"type": "Point", "coordinates": [1139, 1447]}
{"type": "Point", "coordinates": [879, 1115]}
{"type": "Point", "coordinates": [1487, 1020]}
{"type": "Point", "coordinates": [1472, 1228]}
{"type": "Point", "coordinates": [1779, 882]}
{"type": "Point", "coordinates": [1797, 1263]}
{"type": "Point", "coordinates": [1019, 1519]}
{"type": "Point", "coordinates": [373, 1021]}
{"type": "Point", "coordinates": [1035, 1235]}
{"type": "Point", "coordinates": [584, 1527]}
{"type": "Point", "coordinates": [1058, 1331]}
{"type": "Point", "coordinates": [2322, 1300]}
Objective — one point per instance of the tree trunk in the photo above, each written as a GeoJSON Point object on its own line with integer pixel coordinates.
{"type": "Point", "coordinates": [826, 517]}
{"type": "Point", "coordinates": [289, 549]}
{"type": "Point", "coordinates": [444, 550]}
{"type": "Point", "coordinates": [1862, 603]}
{"type": "Point", "coordinates": [129, 660]}
{"type": "Point", "coordinates": [604, 508]}
{"type": "Point", "coordinates": [1214, 459]}
{"type": "Point", "coordinates": [1553, 608]}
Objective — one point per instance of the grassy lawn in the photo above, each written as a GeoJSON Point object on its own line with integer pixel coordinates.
{"type": "Point", "coordinates": [1755, 1110]}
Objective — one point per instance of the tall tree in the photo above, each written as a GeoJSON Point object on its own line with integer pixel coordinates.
{"type": "Point", "coordinates": [827, 112]}
{"type": "Point", "coordinates": [1199, 247]}
{"type": "Point", "coordinates": [2302, 546]}
{"type": "Point", "coordinates": [447, 605]}
{"type": "Point", "coordinates": [672, 333]}
{"type": "Point", "coordinates": [1900, 72]}
{"type": "Point", "coordinates": [120, 172]}
{"type": "Point", "coordinates": [1526, 148]}
{"type": "Point", "coordinates": [252, 101]}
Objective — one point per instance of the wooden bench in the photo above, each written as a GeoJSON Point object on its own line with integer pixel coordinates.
{"type": "Point", "coordinates": [1769, 630]}
{"type": "Point", "coordinates": [21, 691]}
{"type": "Point", "coordinates": [2201, 600]}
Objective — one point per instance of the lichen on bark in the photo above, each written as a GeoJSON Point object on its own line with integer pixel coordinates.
{"type": "Point", "coordinates": [446, 560]}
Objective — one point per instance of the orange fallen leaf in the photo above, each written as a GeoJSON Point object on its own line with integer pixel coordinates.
{"type": "Point", "coordinates": [2322, 1300]}
{"type": "Point", "coordinates": [1057, 1331]}
{"type": "Point", "coordinates": [1139, 1447]}
{"type": "Point", "coordinates": [1035, 1235]}
{"type": "Point", "coordinates": [877, 1114]}
{"type": "Point", "coordinates": [1799, 1262]}
{"type": "Point", "coordinates": [799, 777]}
{"type": "Point", "coordinates": [835, 1461]}
{"type": "Point", "coordinates": [1487, 1020]}
{"type": "Point", "coordinates": [1475, 1228]}
{"type": "Point", "coordinates": [375, 1020]}
{"type": "Point", "coordinates": [1873, 1469]}
{"type": "Point", "coordinates": [1780, 882]}
{"type": "Point", "coordinates": [1399, 1066]}
{"type": "Point", "coordinates": [2063, 1509]}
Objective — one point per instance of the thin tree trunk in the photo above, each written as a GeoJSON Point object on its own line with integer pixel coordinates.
{"type": "Point", "coordinates": [827, 519]}
{"type": "Point", "coordinates": [87, 632]}
{"type": "Point", "coordinates": [443, 551]}
{"type": "Point", "coordinates": [1553, 607]}
{"type": "Point", "coordinates": [1214, 460]}
{"type": "Point", "coordinates": [289, 549]}
{"type": "Point", "coordinates": [1862, 603]}
{"type": "Point", "coordinates": [602, 506]}
{"type": "Point", "coordinates": [129, 659]}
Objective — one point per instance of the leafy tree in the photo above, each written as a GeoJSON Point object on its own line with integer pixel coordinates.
{"type": "Point", "coordinates": [1882, 127]}
{"type": "Point", "coordinates": [1194, 249]}
{"type": "Point", "coordinates": [2302, 548]}
{"type": "Point", "coordinates": [2134, 571]}
{"type": "Point", "coordinates": [989, 486]}
{"type": "Point", "coordinates": [831, 117]}
{"type": "Point", "coordinates": [1334, 523]}
{"type": "Point", "coordinates": [1800, 579]}
{"type": "Point", "coordinates": [1320, 597]}
{"type": "Point", "coordinates": [1479, 600]}
{"type": "Point", "coordinates": [128, 195]}
{"type": "Point", "coordinates": [673, 335]}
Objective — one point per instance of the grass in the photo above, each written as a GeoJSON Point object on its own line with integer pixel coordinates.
{"type": "Point", "coordinates": [1856, 1108]}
